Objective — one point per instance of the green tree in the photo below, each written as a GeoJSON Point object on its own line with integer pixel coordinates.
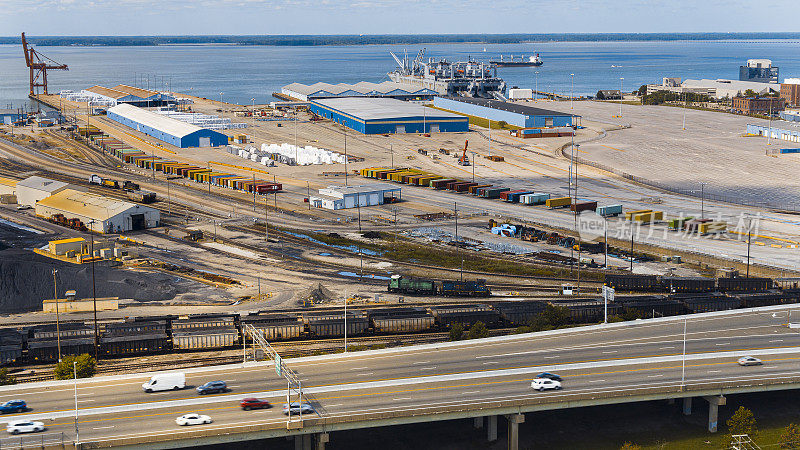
{"type": "Point", "coordinates": [6, 379]}
{"type": "Point", "coordinates": [642, 90]}
{"type": "Point", "coordinates": [790, 437]}
{"type": "Point", "coordinates": [477, 331]}
{"type": "Point", "coordinates": [630, 446]}
{"type": "Point", "coordinates": [750, 93]}
{"type": "Point", "coordinates": [502, 124]}
{"type": "Point", "coordinates": [86, 367]}
{"type": "Point", "coordinates": [456, 332]}
{"type": "Point", "coordinates": [600, 95]}
{"type": "Point", "coordinates": [742, 422]}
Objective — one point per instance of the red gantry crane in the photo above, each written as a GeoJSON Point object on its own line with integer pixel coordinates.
{"type": "Point", "coordinates": [38, 65]}
{"type": "Point", "coordinates": [464, 159]}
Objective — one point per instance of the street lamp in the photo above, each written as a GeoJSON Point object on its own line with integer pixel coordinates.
{"type": "Point", "coordinates": [253, 112]}
{"type": "Point", "coordinates": [702, 199]}
{"type": "Point", "coordinates": [571, 90]}
{"type": "Point", "coordinates": [221, 105]}
{"type": "Point", "coordinates": [75, 384]}
{"type": "Point", "coordinates": [58, 324]}
{"type": "Point", "coordinates": [536, 93]}
{"type": "Point", "coordinates": [473, 166]}
{"type": "Point", "coordinates": [749, 235]}
{"type": "Point", "coordinates": [620, 96]}
{"type": "Point", "coordinates": [94, 293]}
{"type": "Point", "coordinates": [683, 359]}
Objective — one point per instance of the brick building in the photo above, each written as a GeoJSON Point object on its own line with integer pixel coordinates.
{"type": "Point", "coordinates": [790, 91]}
{"type": "Point", "coordinates": [757, 105]}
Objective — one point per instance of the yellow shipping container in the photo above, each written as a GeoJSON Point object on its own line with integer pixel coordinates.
{"type": "Point", "coordinates": [630, 214]}
{"type": "Point", "coordinates": [558, 202]}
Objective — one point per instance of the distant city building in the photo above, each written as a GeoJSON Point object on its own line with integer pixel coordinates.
{"type": "Point", "coordinates": [756, 105]}
{"type": "Point", "coordinates": [718, 89]}
{"type": "Point", "coordinates": [790, 91]}
{"type": "Point", "coordinates": [609, 94]}
{"type": "Point", "coordinates": [758, 70]}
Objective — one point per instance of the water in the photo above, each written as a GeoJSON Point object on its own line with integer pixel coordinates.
{"type": "Point", "coordinates": [242, 73]}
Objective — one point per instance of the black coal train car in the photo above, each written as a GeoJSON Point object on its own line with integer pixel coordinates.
{"type": "Point", "coordinates": [135, 338]}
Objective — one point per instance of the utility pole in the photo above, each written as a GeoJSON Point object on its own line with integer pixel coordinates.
{"type": "Point", "coordinates": [683, 359]}
{"type": "Point", "coordinates": [620, 96]}
{"type": "Point", "coordinates": [749, 235]}
{"type": "Point", "coordinates": [391, 150]}
{"type": "Point", "coordinates": [75, 384]}
{"type": "Point", "coordinates": [266, 221]}
{"type": "Point", "coordinates": [572, 90]}
{"type": "Point", "coordinates": [58, 324]}
{"type": "Point", "coordinates": [254, 192]}
{"type": "Point", "coordinates": [345, 156]}
{"type": "Point", "coordinates": [473, 166]}
{"type": "Point", "coordinates": [702, 199]}
{"type": "Point", "coordinates": [574, 203]}
{"type": "Point", "coordinates": [536, 94]}
{"type": "Point", "coordinates": [358, 206]}
{"type": "Point", "coordinates": [631, 246]}
{"type": "Point", "coordinates": [345, 320]}
{"type": "Point", "coordinates": [94, 296]}
{"type": "Point", "coordinates": [308, 194]}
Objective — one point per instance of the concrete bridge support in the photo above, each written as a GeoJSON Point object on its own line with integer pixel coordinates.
{"type": "Point", "coordinates": [513, 430]}
{"type": "Point", "coordinates": [491, 428]}
{"type": "Point", "coordinates": [713, 411]}
{"type": "Point", "coordinates": [478, 423]}
{"type": "Point", "coordinates": [687, 406]}
{"type": "Point", "coordinates": [320, 439]}
{"type": "Point", "coordinates": [303, 442]}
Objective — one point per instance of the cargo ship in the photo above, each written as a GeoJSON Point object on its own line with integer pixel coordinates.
{"type": "Point", "coordinates": [462, 78]}
{"type": "Point", "coordinates": [532, 61]}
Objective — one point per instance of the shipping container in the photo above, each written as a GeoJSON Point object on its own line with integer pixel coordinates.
{"type": "Point", "coordinates": [536, 198]}
{"type": "Point", "coordinates": [678, 223]}
{"type": "Point", "coordinates": [609, 210]}
{"type": "Point", "coordinates": [559, 202]}
{"type": "Point", "coordinates": [474, 189]}
{"type": "Point", "coordinates": [630, 214]}
{"type": "Point", "coordinates": [713, 227]}
{"type": "Point", "coordinates": [464, 187]}
{"type": "Point", "coordinates": [583, 205]}
{"type": "Point", "coordinates": [441, 183]}
{"type": "Point", "coordinates": [648, 217]}
{"type": "Point", "coordinates": [514, 196]}
{"type": "Point", "coordinates": [493, 192]}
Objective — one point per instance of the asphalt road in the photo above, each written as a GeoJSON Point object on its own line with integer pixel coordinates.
{"type": "Point", "coordinates": [615, 361]}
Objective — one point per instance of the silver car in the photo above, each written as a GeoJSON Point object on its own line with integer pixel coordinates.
{"type": "Point", "coordinates": [749, 361]}
{"type": "Point", "coordinates": [24, 426]}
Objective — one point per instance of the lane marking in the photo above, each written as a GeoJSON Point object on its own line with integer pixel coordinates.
{"type": "Point", "coordinates": [364, 374]}
{"type": "Point", "coordinates": [724, 343]}
{"type": "Point", "coordinates": [596, 381]}
{"type": "Point", "coordinates": [402, 398]}
{"type": "Point", "coordinates": [613, 351]}
{"type": "Point", "coordinates": [360, 368]}
{"type": "Point", "coordinates": [665, 348]}
{"type": "Point", "coordinates": [427, 368]}
{"type": "Point", "coordinates": [655, 376]}
{"type": "Point", "coordinates": [490, 362]}
{"type": "Point", "coordinates": [714, 371]}
{"type": "Point", "coordinates": [776, 340]}
{"type": "Point", "coordinates": [103, 428]}
{"type": "Point", "coordinates": [419, 362]}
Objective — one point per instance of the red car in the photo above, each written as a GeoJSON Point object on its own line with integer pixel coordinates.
{"type": "Point", "coordinates": [254, 403]}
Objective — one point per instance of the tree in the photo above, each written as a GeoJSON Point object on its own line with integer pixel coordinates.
{"type": "Point", "coordinates": [742, 422]}
{"type": "Point", "coordinates": [456, 332]}
{"type": "Point", "coordinates": [643, 90]}
{"type": "Point", "coordinates": [86, 367]}
{"type": "Point", "coordinates": [502, 124]}
{"type": "Point", "coordinates": [600, 95]}
{"type": "Point", "coordinates": [750, 93]}
{"type": "Point", "coordinates": [477, 331]}
{"type": "Point", "coordinates": [630, 446]}
{"type": "Point", "coordinates": [790, 437]}
{"type": "Point", "coordinates": [6, 379]}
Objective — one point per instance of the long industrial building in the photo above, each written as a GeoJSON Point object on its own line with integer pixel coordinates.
{"type": "Point", "coordinates": [98, 213]}
{"type": "Point", "coordinates": [388, 89]}
{"type": "Point", "coordinates": [35, 188]}
{"type": "Point", "coordinates": [512, 113]}
{"type": "Point", "coordinates": [385, 115]}
{"type": "Point", "coordinates": [774, 132]}
{"type": "Point", "coordinates": [167, 129]}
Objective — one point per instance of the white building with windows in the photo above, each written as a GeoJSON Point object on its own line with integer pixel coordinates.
{"type": "Point", "coordinates": [345, 197]}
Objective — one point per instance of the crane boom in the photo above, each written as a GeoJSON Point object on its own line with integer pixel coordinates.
{"type": "Point", "coordinates": [38, 65]}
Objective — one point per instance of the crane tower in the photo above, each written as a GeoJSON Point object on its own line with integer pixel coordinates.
{"type": "Point", "coordinates": [38, 64]}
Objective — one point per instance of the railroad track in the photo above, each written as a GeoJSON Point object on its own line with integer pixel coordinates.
{"type": "Point", "coordinates": [285, 349]}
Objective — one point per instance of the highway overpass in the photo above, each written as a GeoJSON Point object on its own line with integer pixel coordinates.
{"type": "Point", "coordinates": [482, 379]}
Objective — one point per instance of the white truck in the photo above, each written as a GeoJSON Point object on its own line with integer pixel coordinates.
{"type": "Point", "coordinates": [165, 382]}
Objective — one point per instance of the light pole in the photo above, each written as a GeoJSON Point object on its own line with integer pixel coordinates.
{"type": "Point", "coordinates": [473, 166]}
{"type": "Point", "coordinates": [75, 384]}
{"type": "Point", "coordinates": [94, 295]}
{"type": "Point", "coordinates": [683, 359]}
{"type": "Point", "coordinates": [749, 234]}
{"type": "Point", "coordinates": [345, 320]}
{"type": "Point", "coordinates": [296, 159]}
{"type": "Point", "coordinates": [571, 90]}
{"type": "Point", "coordinates": [769, 133]}
{"type": "Point", "coordinates": [620, 96]}
{"type": "Point", "coordinates": [702, 199]}
{"type": "Point", "coordinates": [345, 156]}
{"type": "Point", "coordinates": [221, 105]}
{"type": "Point", "coordinates": [536, 94]}
{"type": "Point", "coordinates": [391, 151]}
{"type": "Point", "coordinates": [58, 324]}
{"type": "Point", "coordinates": [253, 112]}
{"type": "Point", "coordinates": [685, 101]}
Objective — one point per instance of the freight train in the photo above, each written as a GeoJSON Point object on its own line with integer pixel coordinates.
{"type": "Point", "coordinates": [656, 283]}
{"type": "Point", "coordinates": [153, 335]}
{"type": "Point", "coordinates": [130, 188]}
{"type": "Point", "coordinates": [445, 288]}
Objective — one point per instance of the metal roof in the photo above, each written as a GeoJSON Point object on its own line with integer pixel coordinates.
{"type": "Point", "coordinates": [8, 181]}
{"type": "Point", "coordinates": [337, 191]}
{"type": "Point", "coordinates": [138, 92]}
{"type": "Point", "coordinates": [41, 184]}
{"type": "Point", "coordinates": [88, 205]}
{"type": "Point", "coordinates": [107, 92]}
{"type": "Point", "coordinates": [382, 108]}
{"type": "Point", "coordinates": [154, 120]}
{"type": "Point", "coordinates": [360, 88]}
{"type": "Point", "coordinates": [510, 107]}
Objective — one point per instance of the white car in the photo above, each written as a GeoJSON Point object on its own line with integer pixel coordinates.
{"type": "Point", "coordinates": [749, 361]}
{"type": "Point", "coordinates": [192, 419]}
{"type": "Point", "coordinates": [24, 426]}
{"type": "Point", "coordinates": [542, 384]}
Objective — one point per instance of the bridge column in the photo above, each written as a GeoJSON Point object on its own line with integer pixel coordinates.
{"type": "Point", "coordinates": [478, 423]}
{"type": "Point", "coordinates": [321, 439]}
{"type": "Point", "coordinates": [302, 442]}
{"type": "Point", "coordinates": [513, 430]}
{"type": "Point", "coordinates": [687, 406]}
{"type": "Point", "coordinates": [713, 411]}
{"type": "Point", "coordinates": [491, 428]}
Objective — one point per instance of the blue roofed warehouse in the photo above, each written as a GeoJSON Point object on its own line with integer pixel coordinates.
{"type": "Point", "coordinates": [386, 115]}
{"type": "Point", "coordinates": [522, 116]}
{"type": "Point", "coordinates": [167, 129]}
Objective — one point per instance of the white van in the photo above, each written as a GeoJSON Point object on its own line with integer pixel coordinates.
{"type": "Point", "coordinates": [165, 382]}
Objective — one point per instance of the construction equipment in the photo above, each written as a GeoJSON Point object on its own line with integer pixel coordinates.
{"type": "Point", "coordinates": [464, 159]}
{"type": "Point", "coordinates": [38, 65]}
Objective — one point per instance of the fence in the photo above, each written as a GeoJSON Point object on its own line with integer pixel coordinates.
{"type": "Point", "coordinates": [37, 440]}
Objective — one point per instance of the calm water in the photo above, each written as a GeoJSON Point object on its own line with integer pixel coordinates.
{"type": "Point", "coordinates": [242, 73]}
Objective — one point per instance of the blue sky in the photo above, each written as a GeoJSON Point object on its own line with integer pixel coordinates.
{"type": "Point", "coordinates": [178, 17]}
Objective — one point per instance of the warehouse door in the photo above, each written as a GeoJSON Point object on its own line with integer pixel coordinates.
{"type": "Point", "coordinates": [400, 129]}
{"type": "Point", "coordinates": [205, 142]}
{"type": "Point", "coordinates": [137, 222]}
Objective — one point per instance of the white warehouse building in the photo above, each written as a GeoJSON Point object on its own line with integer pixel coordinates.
{"type": "Point", "coordinates": [99, 214]}
{"type": "Point", "coordinates": [345, 197]}
{"type": "Point", "coordinates": [33, 189]}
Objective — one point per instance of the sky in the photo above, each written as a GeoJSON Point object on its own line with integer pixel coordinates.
{"type": "Point", "coordinates": [278, 17]}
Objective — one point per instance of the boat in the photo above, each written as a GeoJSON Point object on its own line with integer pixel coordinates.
{"type": "Point", "coordinates": [531, 61]}
{"type": "Point", "coordinates": [461, 78]}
